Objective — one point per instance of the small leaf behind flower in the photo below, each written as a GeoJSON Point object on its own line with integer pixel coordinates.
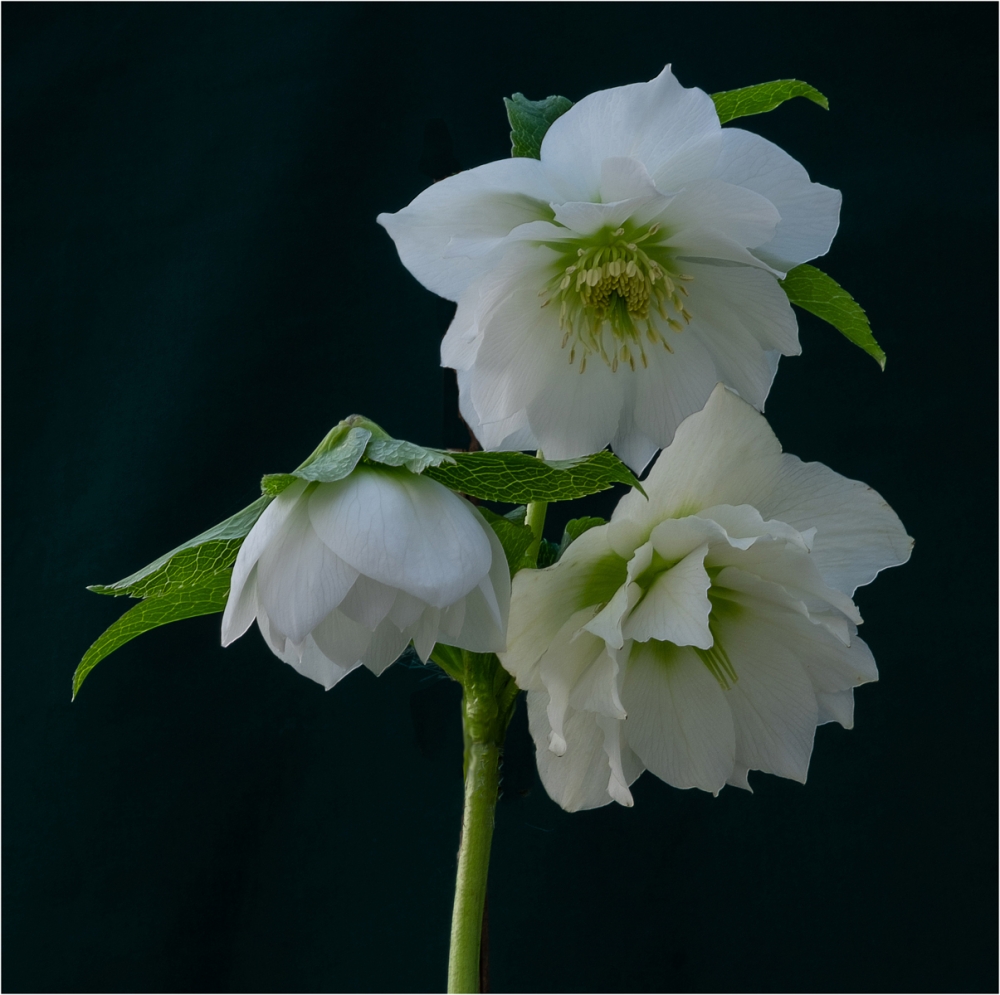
{"type": "Point", "coordinates": [822, 296]}
{"type": "Point", "coordinates": [529, 120]}
{"type": "Point", "coordinates": [575, 528]}
{"type": "Point", "coordinates": [731, 104]}
{"type": "Point", "coordinates": [515, 538]}
{"type": "Point", "coordinates": [516, 478]}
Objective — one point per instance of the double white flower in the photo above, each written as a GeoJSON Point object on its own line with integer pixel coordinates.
{"type": "Point", "coordinates": [707, 631]}
{"type": "Point", "coordinates": [605, 289]}
{"type": "Point", "coordinates": [345, 573]}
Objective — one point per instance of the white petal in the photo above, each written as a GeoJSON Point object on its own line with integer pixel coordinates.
{"type": "Point", "coordinates": [342, 639]}
{"type": "Point", "coordinates": [676, 606]}
{"type": "Point", "coordinates": [452, 620]}
{"type": "Point", "coordinates": [479, 204]}
{"type": "Point", "coordinates": [314, 664]}
{"type": "Point", "coordinates": [732, 299]}
{"type": "Point", "coordinates": [720, 455]}
{"type": "Point", "coordinates": [588, 574]}
{"type": "Point", "coordinates": [406, 609]}
{"type": "Point", "coordinates": [630, 444]}
{"type": "Point", "coordinates": [424, 632]}
{"type": "Point", "coordinates": [607, 623]}
{"type": "Point", "coordinates": [625, 179]}
{"type": "Point", "coordinates": [675, 538]}
{"type": "Point", "coordinates": [368, 602]}
{"type": "Point", "coordinates": [646, 121]}
{"type": "Point", "coordinates": [480, 632]}
{"type": "Point", "coordinates": [679, 722]}
{"type": "Point", "coordinates": [788, 565]}
{"type": "Point", "coordinates": [626, 193]}
{"type": "Point", "coordinates": [483, 626]}
{"type": "Point", "coordinates": [618, 780]}
{"type": "Point", "coordinates": [404, 530]}
{"type": "Point", "coordinates": [274, 638]}
{"type": "Point", "coordinates": [726, 212]}
{"type": "Point", "coordinates": [307, 658]}
{"type": "Point", "coordinates": [266, 527]}
{"type": "Point", "coordinates": [674, 386]}
{"type": "Point", "coordinates": [831, 664]}
{"type": "Point", "coordinates": [299, 580]}
{"type": "Point", "coordinates": [240, 610]}
{"type": "Point", "coordinates": [743, 525]}
{"type": "Point", "coordinates": [386, 645]}
{"type": "Point", "coordinates": [836, 706]}
{"type": "Point", "coordinates": [773, 702]}
{"type": "Point", "coordinates": [579, 779]}
{"type": "Point", "coordinates": [810, 212]}
{"type": "Point", "coordinates": [857, 533]}
{"type": "Point", "coordinates": [570, 655]}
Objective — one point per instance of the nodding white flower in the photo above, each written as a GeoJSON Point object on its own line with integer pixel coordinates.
{"type": "Point", "coordinates": [605, 289]}
{"type": "Point", "coordinates": [345, 573]}
{"type": "Point", "coordinates": [707, 631]}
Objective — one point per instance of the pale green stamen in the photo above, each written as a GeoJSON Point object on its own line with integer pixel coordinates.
{"type": "Point", "coordinates": [716, 659]}
{"type": "Point", "coordinates": [611, 285]}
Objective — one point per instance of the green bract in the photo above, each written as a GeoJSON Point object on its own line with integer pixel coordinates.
{"type": "Point", "coordinates": [822, 296]}
{"type": "Point", "coordinates": [764, 97]}
{"type": "Point", "coordinates": [529, 120]}
{"type": "Point", "coordinates": [193, 579]}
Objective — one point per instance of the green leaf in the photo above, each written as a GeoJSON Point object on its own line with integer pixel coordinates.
{"type": "Point", "coordinates": [337, 462]}
{"type": "Point", "coordinates": [822, 296]}
{"type": "Point", "coordinates": [529, 120]}
{"type": "Point", "coordinates": [575, 528]}
{"type": "Point", "coordinates": [396, 452]}
{"type": "Point", "coordinates": [764, 97]}
{"type": "Point", "coordinates": [272, 484]}
{"type": "Point", "coordinates": [156, 575]}
{"type": "Point", "coordinates": [515, 537]}
{"type": "Point", "coordinates": [517, 478]}
{"type": "Point", "coordinates": [548, 553]}
{"type": "Point", "coordinates": [179, 602]}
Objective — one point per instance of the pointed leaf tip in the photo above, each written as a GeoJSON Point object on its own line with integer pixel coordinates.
{"type": "Point", "coordinates": [764, 97]}
{"type": "Point", "coordinates": [819, 294]}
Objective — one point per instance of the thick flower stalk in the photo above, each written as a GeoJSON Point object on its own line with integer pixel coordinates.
{"type": "Point", "coordinates": [707, 631]}
{"type": "Point", "coordinates": [605, 288]}
{"type": "Point", "coordinates": [348, 573]}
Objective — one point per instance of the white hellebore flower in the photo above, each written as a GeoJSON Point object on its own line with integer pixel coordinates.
{"type": "Point", "coordinates": [707, 631]}
{"type": "Point", "coordinates": [605, 289]}
{"type": "Point", "coordinates": [340, 574]}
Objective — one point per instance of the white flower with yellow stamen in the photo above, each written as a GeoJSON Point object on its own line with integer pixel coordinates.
{"type": "Point", "coordinates": [604, 289]}
{"type": "Point", "coordinates": [707, 631]}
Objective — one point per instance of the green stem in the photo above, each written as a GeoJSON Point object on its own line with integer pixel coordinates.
{"type": "Point", "coordinates": [535, 520]}
{"type": "Point", "coordinates": [490, 695]}
{"type": "Point", "coordinates": [482, 782]}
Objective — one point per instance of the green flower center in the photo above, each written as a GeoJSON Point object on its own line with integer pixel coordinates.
{"type": "Point", "coordinates": [607, 285]}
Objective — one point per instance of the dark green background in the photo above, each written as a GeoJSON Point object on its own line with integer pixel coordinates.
{"type": "Point", "coordinates": [196, 289]}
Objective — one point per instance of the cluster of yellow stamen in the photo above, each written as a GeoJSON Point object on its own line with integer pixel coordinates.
{"type": "Point", "coordinates": [611, 286]}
